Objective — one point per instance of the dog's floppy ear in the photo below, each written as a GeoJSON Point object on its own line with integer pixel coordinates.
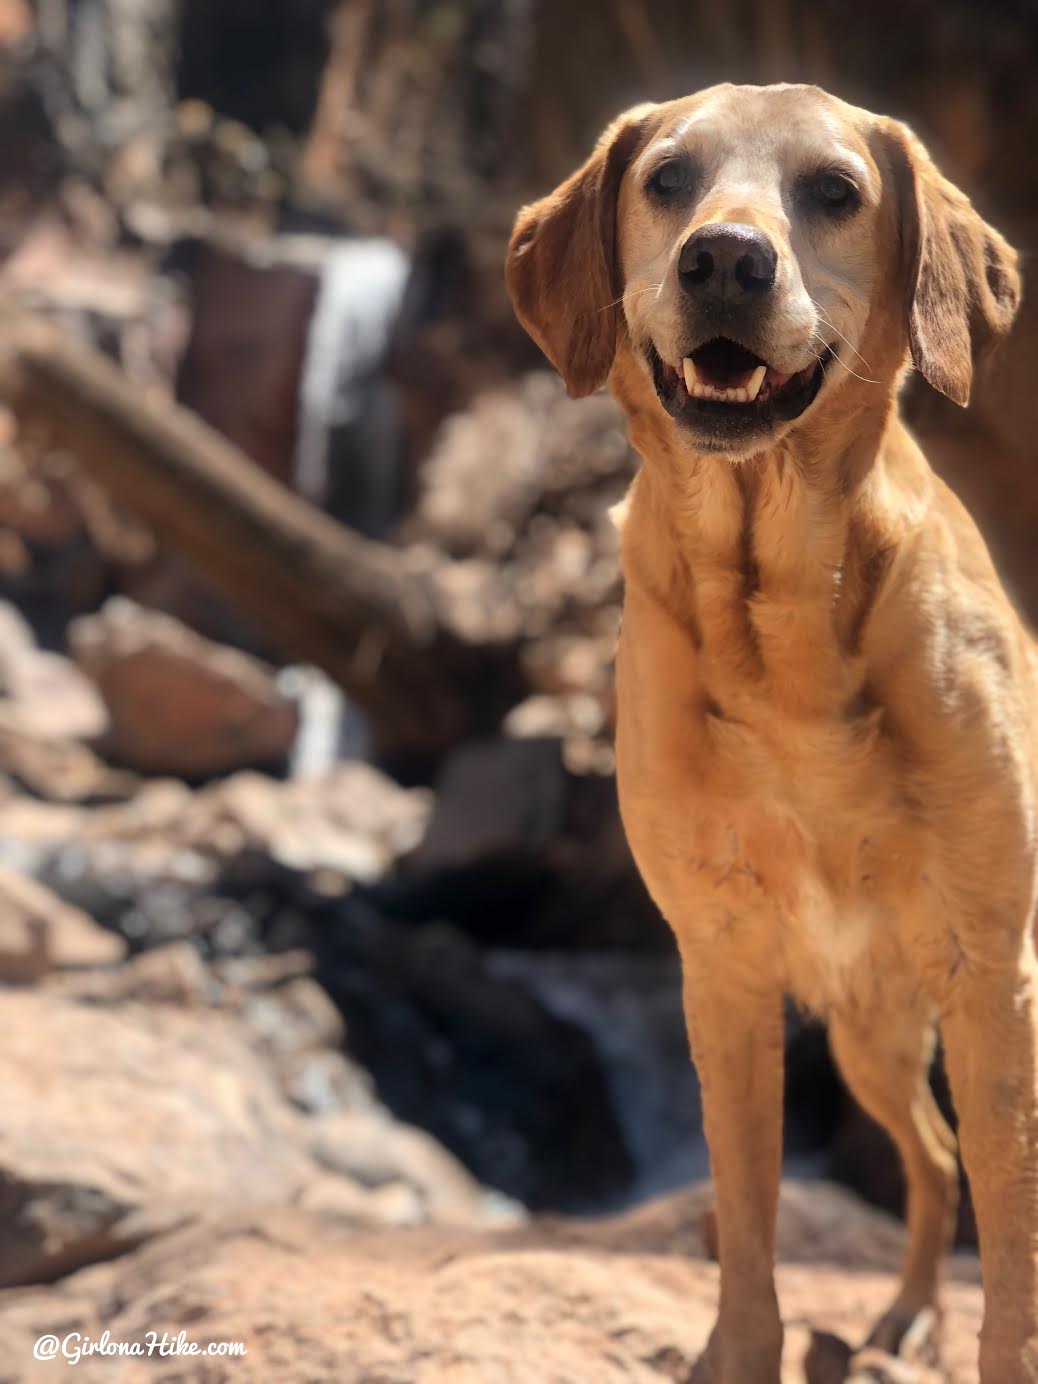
{"type": "Point", "coordinates": [562, 270]}
{"type": "Point", "coordinates": [962, 284]}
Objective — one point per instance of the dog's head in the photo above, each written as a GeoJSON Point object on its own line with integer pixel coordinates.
{"type": "Point", "coordinates": [754, 251]}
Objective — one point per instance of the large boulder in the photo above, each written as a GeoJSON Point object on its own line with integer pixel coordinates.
{"type": "Point", "coordinates": [144, 1100]}
{"type": "Point", "coordinates": [623, 1301]}
{"type": "Point", "coordinates": [178, 703]}
{"type": "Point", "coordinates": [125, 1121]}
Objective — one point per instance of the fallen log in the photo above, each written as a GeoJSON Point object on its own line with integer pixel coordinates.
{"type": "Point", "coordinates": [322, 593]}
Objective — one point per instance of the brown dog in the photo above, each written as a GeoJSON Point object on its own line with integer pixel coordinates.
{"type": "Point", "coordinates": [826, 744]}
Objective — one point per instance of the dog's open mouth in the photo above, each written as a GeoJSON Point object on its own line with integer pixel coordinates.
{"type": "Point", "coordinates": [724, 388]}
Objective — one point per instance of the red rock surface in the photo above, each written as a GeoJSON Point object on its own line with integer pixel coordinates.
{"type": "Point", "coordinates": [623, 1301]}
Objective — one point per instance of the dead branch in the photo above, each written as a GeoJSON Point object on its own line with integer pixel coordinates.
{"type": "Point", "coordinates": [320, 592]}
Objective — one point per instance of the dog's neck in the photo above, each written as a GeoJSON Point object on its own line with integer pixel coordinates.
{"type": "Point", "coordinates": [773, 564]}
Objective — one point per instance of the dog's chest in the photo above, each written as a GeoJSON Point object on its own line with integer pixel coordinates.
{"type": "Point", "coordinates": [783, 837]}
{"type": "Point", "coordinates": [833, 936]}
{"type": "Point", "coordinates": [814, 816]}
{"type": "Point", "coordinates": [764, 801]}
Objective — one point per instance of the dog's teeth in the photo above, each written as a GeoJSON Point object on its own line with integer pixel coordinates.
{"type": "Point", "coordinates": [700, 389]}
{"type": "Point", "coordinates": [722, 396]}
{"type": "Point", "coordinates": [754, 383]}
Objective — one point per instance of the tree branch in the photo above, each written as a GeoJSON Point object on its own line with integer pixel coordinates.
{"type": "Point", "coordinates": [322, 593]}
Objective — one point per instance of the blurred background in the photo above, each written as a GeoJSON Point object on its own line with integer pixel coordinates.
{"type": "Point", "coordinates": [313, 890]}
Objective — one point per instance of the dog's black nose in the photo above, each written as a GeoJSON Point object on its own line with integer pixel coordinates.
{"type": "Point", "coordinates": [727, 258]}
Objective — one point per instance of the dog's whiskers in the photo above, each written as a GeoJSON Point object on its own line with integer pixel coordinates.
{"type": "Point", "coordinates": [830, 323]}
{"type": "Point", "coordinates": [865, 379]}
{"type": "Point", "coordinates": [653, 288]}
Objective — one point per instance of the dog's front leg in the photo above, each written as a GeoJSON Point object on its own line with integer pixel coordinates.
{"type": "Point", "coordinates": [990, 1031]}
{"type": "Point", "coordinates": [736, 1033]}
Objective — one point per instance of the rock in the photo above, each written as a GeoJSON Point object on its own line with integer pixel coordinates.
{"type": "Point", "coordinates": [391, 1203]}
{"type": "Point", "coordinates": [352, 821]}
{"type": "Point", "coordinates": [522, 852]}
{"type": "Point", "coordinates": [495, 798]}
{"type": "Point", "coordinates": [30, 830]}
{"type": "Point", "coordinates": [58, 770]}
{"type": "Point", "coordinates": [39, 933]}
{"type": "Point", "coordinates": [16, 638]}
{"type": "Point", "coordinates": [285, 1017]}
{"type": "Point", "coordinates": [295, 1017]}
{"type": "Point", "coordinates": [47, 707]}
{"type": "Point", "coordinates": [533, 547]}
{"type": "Point", "coordinates": [322, 1082]}
{"type": "Point", "coordinates": [483, 861]}
{"type": "Point", "coordinates": [541, 443]}
{"type": "Point", "coordinates": [173, 974]}
{"type": "Point", "coordinates": [49, 696]}
{"type": "Point", "coordinates": [177, 703]}
{"type": "Point", "coordinates": [162, 1094]}
{"type": "Point", "coordinates": [464, 505]}
{"type": "Point", "coordinates": [263, 972]}
{"type": "Point", "coordinates": [369, 1148]}
{"type": "Point", "coordinates": [301, 1036]}
{"type": "Point", "coordinates": [623, 1301]}
{"type": "Point", "coordinates": [43, 694]}
{"type": "Point", "coordinates": [172, 863]}
{"type": "Point", "coordinates": [125, 1121]}
{"type": "Point", "coordinates": [349, 825]}
{"type": "Point", "coordinates": [516, 1092]}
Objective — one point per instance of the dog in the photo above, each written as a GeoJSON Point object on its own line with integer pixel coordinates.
{"type": "Point", "coordinates": [826, 704]}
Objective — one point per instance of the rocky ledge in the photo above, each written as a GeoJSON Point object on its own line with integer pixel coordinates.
{"type": "Point", "coordinates": [188, 1145]}
{"type": "Point", "coordinates": [320, 1297]}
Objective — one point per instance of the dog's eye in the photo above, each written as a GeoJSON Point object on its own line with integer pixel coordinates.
{"type": "Point", "coordinates": [671, 178]}
{"type": "Point", "coordinates": [832, 191]}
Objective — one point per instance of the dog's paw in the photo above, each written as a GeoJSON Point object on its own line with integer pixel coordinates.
{"type": "Point", "coordinates": [912, 1337]}
{"type": "Point", "coordinates": [826, 1359]}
